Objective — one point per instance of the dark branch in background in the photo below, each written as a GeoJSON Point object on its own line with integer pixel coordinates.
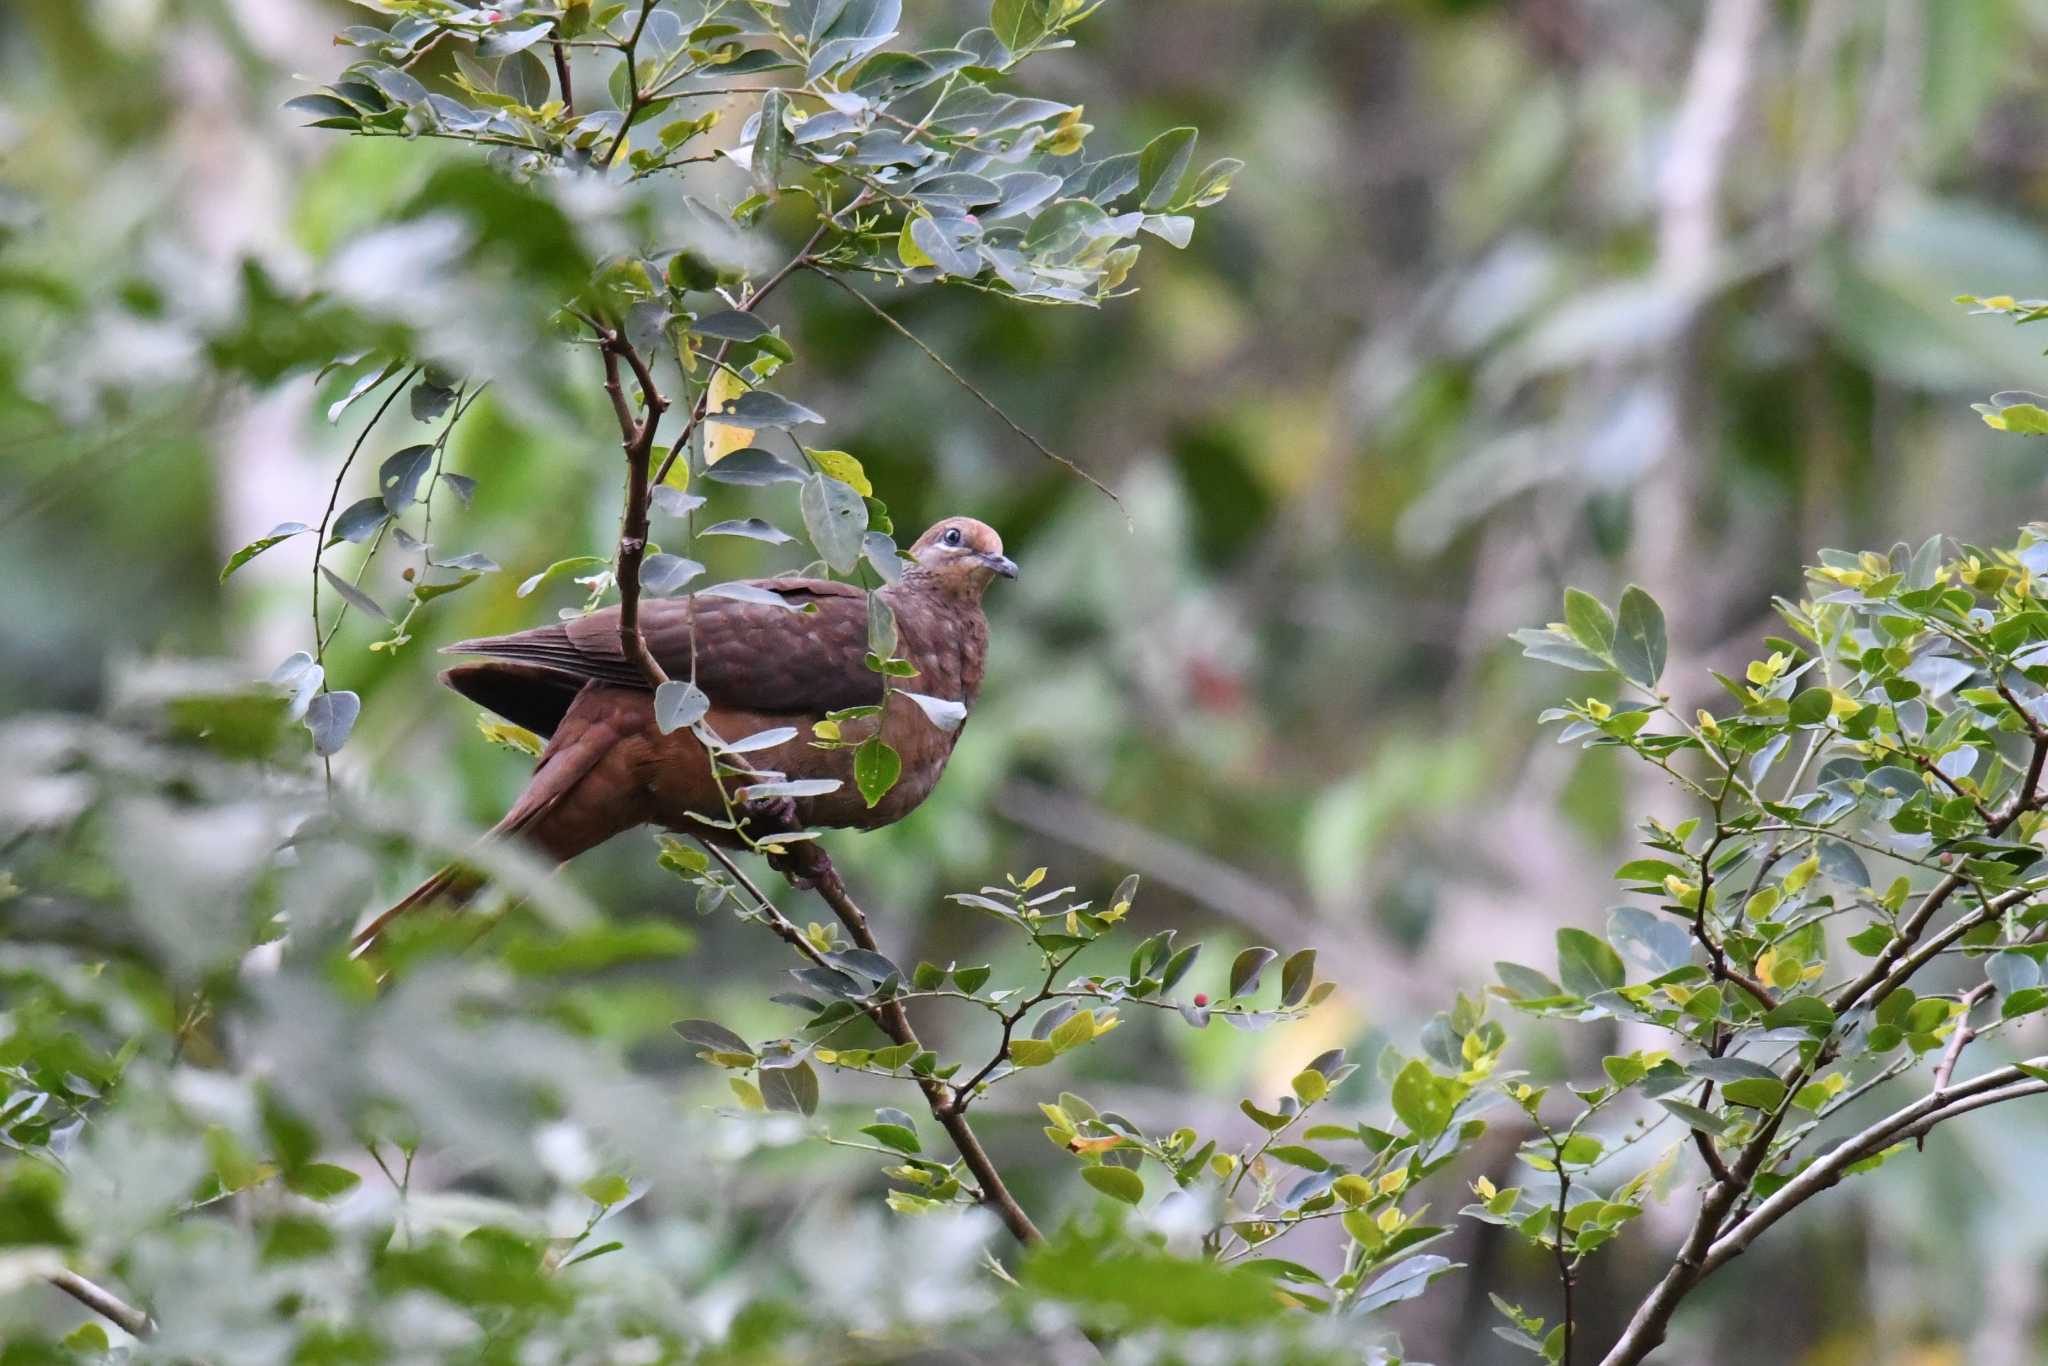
{"type": "Point", "coordinates": [103, 1302]}
{"type": "Point", "coordinates": [965, 383]}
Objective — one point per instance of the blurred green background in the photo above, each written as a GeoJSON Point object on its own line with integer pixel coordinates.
{"type": "Point", "coordinates": [1510, 296]}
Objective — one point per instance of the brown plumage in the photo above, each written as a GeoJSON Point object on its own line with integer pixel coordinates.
{"type": "Point", "coordinates": [608, 768]}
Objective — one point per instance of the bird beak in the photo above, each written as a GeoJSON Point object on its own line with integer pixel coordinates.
{"type": "Point", "coordinates": [1001, 564]}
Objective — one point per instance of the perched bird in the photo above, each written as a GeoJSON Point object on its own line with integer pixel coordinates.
{"type": "Point", "coordinates": [608, 768]}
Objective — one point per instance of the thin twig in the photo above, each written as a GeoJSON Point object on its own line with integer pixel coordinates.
{"type": "Point", "coordinates": [816, 867]}
{"type": "Point", "coordinates": [639, 96]}
{"type": "Point", "coordinates": [562, 75]}
{"type": "Point", "coordinates": [103, 1302]}
{"type": "Point", "coordinates": [966, 384]}
{"type": "Point", "coordinates": [746, 305]}
{"type": "Point", "coordinates": [1945, 1070]}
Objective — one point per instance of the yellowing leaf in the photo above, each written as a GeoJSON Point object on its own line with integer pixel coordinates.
{"type": "Point", "coordinates": [843, 467]}
{"type": "Point", "coordinates": [908, 251]}
{"type": "Point", "coordinates": [722, 439]}
{"type": "Point", "coordinates": [510, 736]}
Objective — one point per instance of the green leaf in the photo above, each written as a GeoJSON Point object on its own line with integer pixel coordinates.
{"type": "Point", "coordinates": [1423, 1101]}
{"type": "Point", "coordinates": [1246, 970]}
{"type": "Point", "coordinates": [321, 1181]}
{"type": "Point", "coordinates": [1582, 1150]}
{"type": "Point", "coordinates": [712, 1035]}
{"type": "Point", "coordinates": [1758, 1093]}
{"type": "Point", "coordinates": [1553, 647]}
{"type": "Point", "coordinates": [398, 478]}
{"type": "Point", "coordinates": [792, 1090]}
{"type": "Point", "coordinates": [330, 718]}
{"type": "Point", "coordinates": [1586, 965]}
{"type": "Point", "coordinates": [771, 140]}
{"type": "Point", "coordinates": [1020, 23]}
{"type": "Point", "coordinates": [1639, 643]}
{"type": "Point", "coordinates": [679, 703]}
{"type": "Point", "coordinates": [1032, 1052]}
{"type": "Point", "coordinates": [1120, 1183]}
{"type": "Point", "coordinates": [836, 517]}
{"type": "Point", "coordinates": [1807, 1012]}
{"type": "Point", "coordinates": [1161, 166]}
{"type": "Point", "coordinates": [1811, 707]}
{"type": "Point", "coordinates": [606, 1190]}
{"type": "Point", "coordinates": [1405, 1281]}
{"type": "Point", "coordinates": [1705, 1121]}
{"type": "Point", "coordinates": [1177, 966]}
{"type": "Point", "coordinates": [1589, 621]}
{"type": "Point", "coordinates": [1294, 1155]}
{"type": "Point", "coordinates": [352, 595]}
{"type": "Point", "coordinates": [571, 565]}
{"type": "Point", "coordinates": [1297, 975]}
{"type": "Point", "coordinates": [900, 1137]}
{"type": "Point", "coordinates": [283, 531]}
{"type": "Point", "coordinates": [876, 767]}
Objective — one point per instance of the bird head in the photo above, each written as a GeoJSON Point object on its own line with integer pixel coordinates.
{"type": "Point", "coordinates": [961, 555]}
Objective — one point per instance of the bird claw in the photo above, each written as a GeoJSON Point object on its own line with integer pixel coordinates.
{"type": "Point", "coordinates": [772, 816]}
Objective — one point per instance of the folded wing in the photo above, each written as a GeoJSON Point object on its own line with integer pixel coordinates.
{"type": "Point", "coordinates": [748, 655]}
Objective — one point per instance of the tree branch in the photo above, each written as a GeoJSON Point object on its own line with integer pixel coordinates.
{"type": "Point", "coordinates": [562, 75]}
{"type": "Point", "coordinates": [1961, 1039]}
{"type": "Point", "coordinates": [965, 383]}
{"type": "Point", "coordinates": [1704, 1254]}
{"type": "Point", "coordinates": [815, 865]}
{"type": "Point", "coordinates": [103, 1302]}
{"type": "Point", "coordinates": [746, 305]}
{"type": "Point", "coordinates": [637, 437]}
{"type": "Point", "coordinates": [1880, 972]}
{"type": "Point", "coordinates": [1991, 1088]}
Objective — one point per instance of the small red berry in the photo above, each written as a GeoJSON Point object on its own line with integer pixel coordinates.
{"type": "Point", "coordinates": [1201, 998]}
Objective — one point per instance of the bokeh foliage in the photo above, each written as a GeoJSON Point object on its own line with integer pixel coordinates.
{"type": "Point", "coordinates": [1429, 363]}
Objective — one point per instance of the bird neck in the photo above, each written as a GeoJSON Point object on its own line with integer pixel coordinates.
{"type": "Point", "coordinates": [943, 626]}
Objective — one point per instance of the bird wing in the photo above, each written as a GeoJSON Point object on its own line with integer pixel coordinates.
{"type": "Point", "coordinates": [749, 655]}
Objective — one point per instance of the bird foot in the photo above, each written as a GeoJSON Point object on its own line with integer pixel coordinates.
{"type": "Point", "coordinates": [772, 816]}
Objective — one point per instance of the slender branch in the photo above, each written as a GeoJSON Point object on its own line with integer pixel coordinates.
{"type": "Point", "coordinates": [1880, 972]}
{"type": "Point", "coordinates": [816, 867]}
{"type": "Point", "coordinates": [562, 75]}
{"type": "Point", "coordinates": [746, 305]}
{"type": "Point", "coordinates": [103, 1302]}
{"type": "Point", "coordinates": [631, 49]}
{"type": "Point", "coordinates": [1961, 1039]}
{"type": "Point", "coordinates": [1564, 1260]}
{"type": "Point", "coordinates": [636, 435]}
{"type": "Point", "coordinates": [784, 928]}
{"type": "Point", "coordinates": [964, 382]}
{"type": "Point", "coordinates": [1703, 1253]}
{"type": "Point", "coordinates": [1991, 1088]}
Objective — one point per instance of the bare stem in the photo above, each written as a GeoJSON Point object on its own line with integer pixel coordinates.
{"type": "Point", "coordinates": [816, 867]}
{"type": "Point", "coordinates": [103, 1302]}
{"type": "Point", "coordinates": [965, 383]}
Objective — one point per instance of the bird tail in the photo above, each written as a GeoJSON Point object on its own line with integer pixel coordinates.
{"type": "Point", "coordinates": [454, 885]}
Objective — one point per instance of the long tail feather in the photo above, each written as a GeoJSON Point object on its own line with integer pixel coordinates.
{"type": "Point", "coordinates": [454, 885]}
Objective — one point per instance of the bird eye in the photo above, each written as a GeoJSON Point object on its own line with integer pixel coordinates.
{"type": "Point", "coordinates": [952, 535]}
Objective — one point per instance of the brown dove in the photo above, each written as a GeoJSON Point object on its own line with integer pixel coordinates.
{"type": "Point", "coordinates": [608, 767]}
